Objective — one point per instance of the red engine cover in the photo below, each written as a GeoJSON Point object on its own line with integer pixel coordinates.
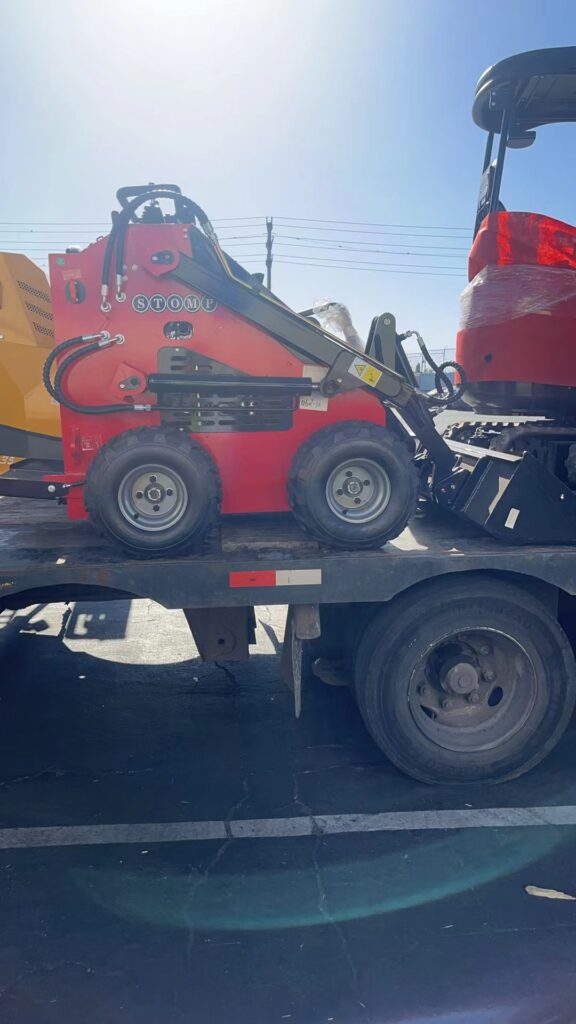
{"type": "Point", "coordinates": [253, 466]}
{"type": "Point", "coordinates": [529, 357]}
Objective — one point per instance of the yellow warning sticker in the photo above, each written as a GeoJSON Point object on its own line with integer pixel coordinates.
{"type": "Point", "coordinates": [369, 374]}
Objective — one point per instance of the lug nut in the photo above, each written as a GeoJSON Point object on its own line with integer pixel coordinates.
{"type": "Point", "coordinates": [489, 675]}
{"type": "Point", "coordinates": [474, 697]}
{"type": "Point", "coordinates": [424, 690]}
{"type": "Point", "coordinates": [447, 703]}
{"type": "Point", "coordinates": [484, 649]}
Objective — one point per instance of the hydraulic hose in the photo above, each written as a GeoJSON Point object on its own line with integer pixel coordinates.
{"type": "Point", "coordinates": [53, 356]}
{"type": "Point", "coordinates": [87, 344]}
{"type": "Point", "coordinates": [108, 254]}
{"type": "Point", "coordinates": [441, 379]}
{"type": "Point", "coordinates": [94, 410]}
{"type": "Point", "coordinates": [182, 203]}
{"type": "Point", "coordinates": [117, 238]}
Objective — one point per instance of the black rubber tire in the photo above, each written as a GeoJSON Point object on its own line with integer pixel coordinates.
{"type": "Point", "coordinates": [321, 454]}
{"type": "Point", "coordinates": [176, 451]}
{"type": "Point", "coordinates": [398, 636]}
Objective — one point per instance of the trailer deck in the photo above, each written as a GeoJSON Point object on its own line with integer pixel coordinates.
{"type": "Point", "coordinates": [251, 562]}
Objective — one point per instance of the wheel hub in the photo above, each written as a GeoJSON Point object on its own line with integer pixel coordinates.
{"type": "Point", "coordinates": [473, 690]}
{"type": "Point", "coordinates": [358, 490]}
{"type": "Point", "coordinates": [152, 497]}
{"type": "Point", "coordinates": [460, 678]}
{"type": "Point", "coordinates": [353, 486]}
{"type": "Point", "coordinates": [154, 494]}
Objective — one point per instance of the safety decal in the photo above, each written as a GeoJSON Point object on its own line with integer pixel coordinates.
{"type": "Point", "coordinates": [174, 303]}
{"type": "Point", "coordinates": [369, 374]}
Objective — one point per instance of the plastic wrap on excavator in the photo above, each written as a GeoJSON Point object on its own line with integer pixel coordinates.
{"type": "Point", "coordinates": [518, 313]}
{"type": "Point", "coordinates": [522, 263]}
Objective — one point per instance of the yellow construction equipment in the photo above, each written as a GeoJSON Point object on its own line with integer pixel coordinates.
{"type": "Point", "coordinates": [29, 418]}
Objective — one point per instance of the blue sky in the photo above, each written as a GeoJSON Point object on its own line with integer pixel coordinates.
{"type": "Point", "coordinates": [328, 109]}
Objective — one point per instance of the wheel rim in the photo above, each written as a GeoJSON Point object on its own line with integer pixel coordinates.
{"type": "Point", "coordinates": [358, 490]}
{"type": "Point", "coordinates": [152, 498]}
{"type": "Point", "coordinates": [473, 690]}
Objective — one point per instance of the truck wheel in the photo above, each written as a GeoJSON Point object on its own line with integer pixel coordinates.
{"type": "Point", "coordinates": [353, 485]}
{"type": "Point", "coordinates": [153, 492]}
{"type": "Point", "coordinates": [465, 680]}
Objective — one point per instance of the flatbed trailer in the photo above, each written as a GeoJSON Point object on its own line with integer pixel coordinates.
{"type": "Point", "coordinates": [473, 636]}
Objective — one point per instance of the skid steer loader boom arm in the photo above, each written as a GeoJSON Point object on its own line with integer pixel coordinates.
{"type": "Point", "coordinates": [347, 369]}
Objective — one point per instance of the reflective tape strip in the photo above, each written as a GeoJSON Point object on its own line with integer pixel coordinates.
{"type": "Point", "coordinates": [264, 578]}
{"type": "Point", "coordinates": [276, 578]}
{"type": "Point", "coordinates": [298, 577]}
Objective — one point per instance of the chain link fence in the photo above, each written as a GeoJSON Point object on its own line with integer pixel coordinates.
{"type": "Point", "coordinates": [424, 375]}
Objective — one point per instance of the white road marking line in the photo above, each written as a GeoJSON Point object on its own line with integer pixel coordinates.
{"type": "Point", "coordinates": [279, 828]}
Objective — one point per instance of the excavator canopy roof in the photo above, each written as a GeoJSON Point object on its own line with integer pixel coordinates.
{"type": "Point", "coordinates": [537, 87]}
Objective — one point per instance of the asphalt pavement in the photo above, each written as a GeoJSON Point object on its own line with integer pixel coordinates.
{"type": "Point", "coordinates": [175, 848]}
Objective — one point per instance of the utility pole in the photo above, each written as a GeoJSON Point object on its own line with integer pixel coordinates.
{"type": "Point", "coordinates": [269, 240]}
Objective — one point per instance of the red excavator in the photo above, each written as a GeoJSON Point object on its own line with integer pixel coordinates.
{"type": "Point", "coordinates": [517, 342]}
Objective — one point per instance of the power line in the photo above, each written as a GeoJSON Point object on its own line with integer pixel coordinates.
{"type": "Point", "coordinates": [46, 244]}
{"type": "Point", "coordinates": [377, 270]}
{"type": "Point", "coordinates": [222, 220]}
{"type": "Point", "coordinates": [80, 231]}
{"type": "Point", "coordinates": [249, 243]}
{"type": "Point", "coordinates": [362, 241]}
{"type": "Point", "coordinates": [360, 246]}
{"type": "Point", "coordinates": [376, 263]}
{"type": "Point", "coordinates": [327, 259]}
{"type": "Point", "coordinates": [360, 265]}
{"type": "Point", "coordinates": [26, 226]}
{"type": "Point", "coordinates": [62, 223]}
{"type": "Point", "coordinates": [259, 219]}
{"type": "Point", "coordinates": [373, 224]}
{"type": "Point", "coordinates": [76, 227]}
{"type": "Point", "coordinates": [362, 231]}
{"type": "Point", "coordinates": [385, 252]}
{"type": "Point", "coordinates": [310, 260]}
{"type": "Point", "coordinates": [54, 231]}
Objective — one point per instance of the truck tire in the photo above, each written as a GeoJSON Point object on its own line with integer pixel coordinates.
{"type": "Point", "coordinates": [467, 679]}
{"type": "Point", "coordinates": [353, 485]}
{"type": "Point", "coordinates": [153, 492]}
